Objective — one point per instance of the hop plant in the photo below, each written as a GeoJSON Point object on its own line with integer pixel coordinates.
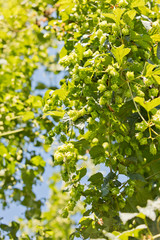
{"type": "Point", "coordinates": [156, 119]}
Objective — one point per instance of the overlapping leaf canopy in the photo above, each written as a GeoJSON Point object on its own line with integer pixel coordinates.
{"type": "Point", "coordinates": [24, 48]}
{"type": "Point", "coordinates": [106, 113]}
{"type": "Point", "coordinates": [108, 108]}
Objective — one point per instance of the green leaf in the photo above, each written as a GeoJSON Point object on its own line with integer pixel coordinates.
{"type": "Point", "coordinates": [122, 169]}
{"type": "Point", "coordinates": [35, 101]}
{"type": "Point", "coordinates": [61, 93]}
{"type": "Point", "coordinates": [131, 14]}
{"type": "Point", "coordinates": [38, 161]}
{"type": "Point", "coordinates": [63, 52]}
{"type": "Point", "coordinates": [141, 215]}
{"type": "Point", "coordinates": [110, 15]}
{"type": "Point", "coordinates": [82, 172]}
{"type": "Point", "coordinates": [97, 151]}
{"type": "Point", "coordinates": [156, 37]}
{"type": "Point", "coordinates": [148, 105]}
{"type": "Point", "coordinates": [148, 70]}
{"type": "Point", "coordinates": [144, 40]}
{"type": "Point", "coordinates": [79, 50]}
{"type": "Point", "coordinates": [118, 12]}
{"type": "Point", "coordinates": [136, 176]}
{"type": "Point", "coordinates": [58, 113]}
{"type": "Point", "coordinates": [3, 149]}
{"type": "Point", "coordinates": [119, 53]}
{"type": "Point", "coordinates": [137, 3]}
{"type": "Point", "coordinates": [132, 233]}
{"type": "Point", "coordinates": [116, 15]}
{"type": "Point", "coordinates": [27, 115]}
{"type": "Point", "coordinates": [109, 177]}
{"type": "Point", "coordinates": [105, 191]}
{"type": "Point", "coordinates": [96, 178]}
{"type": "Point", "coordinates": [151, 70]}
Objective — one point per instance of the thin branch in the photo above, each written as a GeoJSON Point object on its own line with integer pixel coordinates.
{"type": "Point", "coordinates": [136, 104]}
{"type": "Point", "coordinates": [152, 175]}
{"type": "Point", "coordinates": [11, 132]}
{"type": "Point", "coordinates": [156, 236]}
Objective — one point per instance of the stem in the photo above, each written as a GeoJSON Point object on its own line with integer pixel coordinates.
{"type": "Point", "coordinates": [152, 175]}
{"type": "Point", "coordinates": [123, 185]}
{"type": "Point", "coordinates": [71, 132]}
{"type": "Point", "coordinates": [120, 30]}
{"type": "Point", "coordinates": [150, 133]}
{"type": "Point", "coordinates": [109, 140]}
{"type": "Point", "coordinates": [156, 236]}
{"type": "Point", "coordinates": [145, 221]}
{"type": "Point", "coordinates": [136, 104]}
{"type": "Point", "coordinates": [11, 132]}
{"type": "Point", "coordinates": [154, 132]}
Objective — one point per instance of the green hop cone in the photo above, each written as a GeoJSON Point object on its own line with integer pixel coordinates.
{"type": "Point", "coordinates": [153, 149]}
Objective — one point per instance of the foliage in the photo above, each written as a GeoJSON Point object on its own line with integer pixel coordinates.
{"type": "Point", "coordinates": [24, 47]}
{"type": "Point", "coordinates": [108, 109]}
{"type": "Point", "coordinates": [52, 225]}
{"type": "Point", "coordinates": [106, 113]}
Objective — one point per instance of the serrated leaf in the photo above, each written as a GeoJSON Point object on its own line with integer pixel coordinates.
{"type": "Point", "coordinates": [144, 40]}
{"type": "Point", "coordinates": [151, 70]}
{"type": "Point", "coordinates": [119, 53]}
{"type": "Point", "coordinates": [118, 12]}
{"type": "Point", "coordinates": [79, 50]}
{"type": "Point", "coordinates": [116, 15]}
{"type": "Point", "coordinates": [110, 15]}
{"type": "Point", "coordinates": [82, 145]}
{"type": "Point", "coordinates": [61, 93]}
{"type": "Point", "coordinates": [156, 71]}
{"type": "Point", "coordinates": [131, 14]}
{"type": "Point", "coordinates": [153, 103]}
{"type": "Point", "coordinates": [148, 70]}
{"type": "Point", "coordinates": [148, 105]}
